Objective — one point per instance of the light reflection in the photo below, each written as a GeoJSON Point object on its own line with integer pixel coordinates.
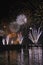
{"type": "Point", "coordinates": [13, 57]}
{"type": "Point", "coordinates": [22, 57]}
{"type": "Point", "coordinates": [35, 56]}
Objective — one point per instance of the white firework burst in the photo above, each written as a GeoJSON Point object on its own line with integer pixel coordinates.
{"type": "Point", "coordinates": [34, 34]}
{"type": "Point", "coordinates": [21, 19]}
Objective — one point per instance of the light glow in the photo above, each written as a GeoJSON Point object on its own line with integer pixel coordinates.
{"type": "Point", "coordinates": [21, 19]}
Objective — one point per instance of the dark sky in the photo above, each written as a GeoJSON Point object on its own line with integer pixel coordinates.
{"type": "Point", "coordinates": [13, 7]}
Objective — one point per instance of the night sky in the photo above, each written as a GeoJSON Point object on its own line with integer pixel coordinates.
{"type": "Point", "coordinates": [10, 9]}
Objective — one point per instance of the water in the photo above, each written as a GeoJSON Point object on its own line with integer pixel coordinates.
{"type": "Point", "coordinates": [32, 56]}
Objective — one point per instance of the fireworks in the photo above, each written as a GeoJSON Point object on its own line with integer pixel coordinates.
{"type": "Point", "coordinates": [2, 32]}
{"type": "Point", "coordinates": [34, 34]}
{"type": "Point", "coordinates": [21, 19]}
{"type": "Point", "coordinates": [14, 27]}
